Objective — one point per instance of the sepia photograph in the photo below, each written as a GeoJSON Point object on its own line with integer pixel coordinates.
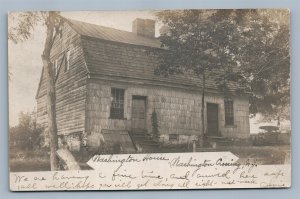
{"type": "Point", "coordinates": [158, 99]}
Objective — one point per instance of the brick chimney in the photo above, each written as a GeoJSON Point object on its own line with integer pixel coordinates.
{"type": "Point", "coordinates": [144, 27]}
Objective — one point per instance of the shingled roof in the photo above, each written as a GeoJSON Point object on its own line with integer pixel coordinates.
{"type": "Point", "coordinates": [121, 61]}
{"type": "Point", "coordinates": [112, 34]}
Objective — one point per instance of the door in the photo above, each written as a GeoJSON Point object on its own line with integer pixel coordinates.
{"type": "Point", "coordinates": [212, 119]}
{"type": "Point", "coordinates": [138, 118]}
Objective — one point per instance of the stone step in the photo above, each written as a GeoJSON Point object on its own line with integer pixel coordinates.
{"type": "Point", "coordinates": [140, 134]}
{"type": "Point", "coordinates": [145, 141]}
{"type": "Point", "coordinates": [139, 137]}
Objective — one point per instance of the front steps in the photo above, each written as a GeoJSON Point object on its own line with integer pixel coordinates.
{"type": "Point", "coordinates": [144, 142]}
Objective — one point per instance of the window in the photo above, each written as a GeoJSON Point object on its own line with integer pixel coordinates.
{"type": "Point", "coordinates": [67, 65]}
{"type": "Point", "coordinates": [229, 116]}
{"type": "Point", "coordinates": [173, 137]}
{"type": "Point", "coordinates": [56, 67]}
{"type": "Point", "coordinates": [117, 103]}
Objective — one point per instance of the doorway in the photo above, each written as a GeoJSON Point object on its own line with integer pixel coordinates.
{"type": "Point", "coordinates": [138, 117]}
{"type": "Point", "coordinates": [212, 119]}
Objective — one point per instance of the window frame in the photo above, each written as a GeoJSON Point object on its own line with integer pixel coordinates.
{"type": "Point", "coordinates": [117, 104]}
{"type": "Point", "coordinates": [67, 63]}
{"type": "Point", "coordinates": [229, 112]}
{"type": "Point", "coordinates": [56, 67]}
{"type": "Point", "coordinates": [173, 137]}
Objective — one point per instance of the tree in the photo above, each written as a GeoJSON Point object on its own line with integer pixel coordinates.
{"type": "Point", "coordinates": [198, 42]}
{"type": "Point", "coordinates": [27, 134]}
{"type": "Point", "coordinates": [250, 47]}
{"type": "Point", "coordinates": [265, 63]}
{"type": "Point", "coordinates": [27, 22]}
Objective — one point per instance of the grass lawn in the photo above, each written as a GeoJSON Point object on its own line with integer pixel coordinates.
{"type": "Point", "coordinates": [29, 160]}
{"type": "Point", "coordinates": [260, 154]}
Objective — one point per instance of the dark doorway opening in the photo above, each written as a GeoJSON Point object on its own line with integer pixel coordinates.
{"type": "Point", "coordinates": [212, 119]}
{"type": "Point", "coordinates": [138, 117]}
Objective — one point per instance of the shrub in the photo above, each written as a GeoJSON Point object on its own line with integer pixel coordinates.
{"type": "Point", "coordinates": [154, 121]}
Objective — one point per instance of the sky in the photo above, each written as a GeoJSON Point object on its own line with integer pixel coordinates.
{"type": "Point", "coordinates": [25, 64]}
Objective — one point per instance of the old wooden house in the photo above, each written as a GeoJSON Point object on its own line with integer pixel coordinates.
{"type": "Point", "coordinates": [107, 92]}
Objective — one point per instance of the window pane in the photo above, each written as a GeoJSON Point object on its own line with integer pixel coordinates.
{"type": "Point", "coordinates": [67, 60]}
{"type": "Point", "coordinates": [56, 66]}
{"type": "Point", "coordinates": [117, 103]}
{"type": "Point", "coordinates": [229, 115]}
{"type": "Point", "coordinates": [173, 137]}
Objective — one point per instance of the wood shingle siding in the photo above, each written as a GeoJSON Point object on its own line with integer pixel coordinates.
{"type": "Point", "coordinates": [102, 59]}
{"type": "Point", "coordinates": [70, 85]}
{"type": "Point", "coordinates": [178, 111]}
